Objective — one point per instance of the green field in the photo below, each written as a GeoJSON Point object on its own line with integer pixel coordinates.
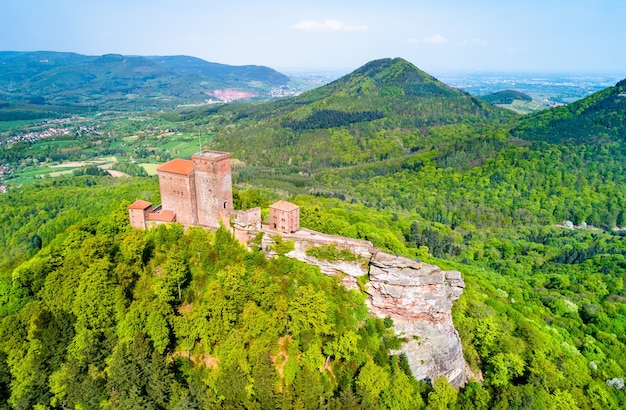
{"type": "Point", "coordinates": [16, 125]}
{"type": "Point", "coordinates": [151, 169]}
{"type": "Point", "coordinates": [524, 107]}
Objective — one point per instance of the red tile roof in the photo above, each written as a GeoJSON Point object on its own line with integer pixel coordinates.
{"type": "Point", "coordinates": [284, 206]}
{"type": "Point", "coordinates": [163, 216]}
{"type": "Point", "coordinates": [177, 166]}
{"type": "Point", "coordinates": [140, 204]}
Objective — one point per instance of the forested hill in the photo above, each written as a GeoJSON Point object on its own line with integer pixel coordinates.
{"type": "Point", "coordinates": [186, 65]}
{"type": "Point", "coordinates": [505, 97]}
{"type": "Point", "coordinates": [116, 81]}
{"type": "Point", "coordinates": [386, 109]}
{"type": "Point", "coordinates": [601, 117]}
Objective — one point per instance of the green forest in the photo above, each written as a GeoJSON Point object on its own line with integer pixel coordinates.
{"type": "Point", "coordinates": [531, 210]}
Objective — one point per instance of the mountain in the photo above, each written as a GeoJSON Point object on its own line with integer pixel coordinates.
{"type": "Point", "coordinates": [599, 118]}
{"type": "Point", "coordinates": [505, 97]}
{"type": "Point", "coordinates": [186, 65]}
{"type": "Point", "coordinates": [114, 80]}
{"type": "Point", "coordinates": [386, 109]}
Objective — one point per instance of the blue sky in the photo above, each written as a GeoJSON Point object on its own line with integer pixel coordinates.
{"type": "Point", "coordinates": [539, 36]}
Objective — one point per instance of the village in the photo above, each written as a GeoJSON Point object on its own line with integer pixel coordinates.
{"type": "Point", "coordinates": [36, 136]}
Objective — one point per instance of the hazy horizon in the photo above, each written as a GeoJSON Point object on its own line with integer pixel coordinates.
{"type": "Point", "coordinates": [576, 36]}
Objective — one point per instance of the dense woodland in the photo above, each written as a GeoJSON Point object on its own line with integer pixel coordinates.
{"type": "Point", "coordinates": [127, 83]}
{"type": "Point", "coordinates": [94, 314]}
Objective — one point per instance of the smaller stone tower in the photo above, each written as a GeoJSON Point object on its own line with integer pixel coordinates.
{"type": "Point", "coordinates": [214, 191]}
{"type": "Point", "coordinates": [138, 212]}
{"type": "Point", "coordinates": [284, 217]}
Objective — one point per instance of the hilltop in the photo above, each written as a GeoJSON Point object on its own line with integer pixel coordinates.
{"type": "Point", "coordinates": [598, 118]}
{"type": "Point", "coordinates": [505, 97]}
{"type": "Point", "coordinates": [131, 82]}
{"type": "Point", "coordinates": [515, 101]}
{"type": "Point", "coordinates": [386, 109]}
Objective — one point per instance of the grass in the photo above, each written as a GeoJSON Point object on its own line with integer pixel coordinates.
{"type": "Point", "coordinates": [181, 146]}
{"type": "Point", "coordinates": [151, 169]}
{"type": "Point", "coordinates": [14, 125]}
{"type": "Point", "coordinates": [47, 170]}
{"type": "Point", "coordinates": [524, 107]}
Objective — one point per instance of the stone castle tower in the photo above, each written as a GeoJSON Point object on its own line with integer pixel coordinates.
{"type": "Point", "coordinates": [199, 191]}
{"type": "Point", "coordinates": [214, 192]}
{"type": "Point", "coordinates": [178, 190]}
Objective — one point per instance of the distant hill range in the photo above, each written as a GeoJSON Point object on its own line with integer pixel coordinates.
{"type": "Point", "coordinates": [505, 97]}
{"type": "Point", "coordinates": [117, 81]}
{"type": "Point", "coordinates": [599, 118]}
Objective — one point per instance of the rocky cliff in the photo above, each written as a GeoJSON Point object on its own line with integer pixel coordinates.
{"type": "Point", "coordinates": [417, 296]}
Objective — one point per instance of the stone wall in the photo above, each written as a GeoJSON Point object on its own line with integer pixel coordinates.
{"type": "Point", "coordinates": [248, 218]}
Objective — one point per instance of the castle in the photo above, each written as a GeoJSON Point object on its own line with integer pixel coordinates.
{"type": "Point", "coordinates": [418, 297]}
{"type": "Point", "coordinates": [198, 192]}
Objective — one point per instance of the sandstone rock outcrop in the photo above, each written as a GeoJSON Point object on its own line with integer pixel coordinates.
{"type": "Point", "coordinates": [417, 296]}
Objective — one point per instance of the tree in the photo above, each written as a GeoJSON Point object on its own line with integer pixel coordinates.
{"type": "Point", "coordinates": [562, 400]}
{"type": "Point", "coordinates": [371, 382]}
{"type": "Point", "coordinates": [443, 396]}
{"type": "Point", "coordinates": [474, 397]}
{"type": "Point", "coordinates": [95, 305]}
{"type": "Point", "coordinates": [504, 367]}
{"type": "Point", "coordinates": [174, 275]}
{"type": "Point", "coordinates": [138, 377]}
{"type": "Point", "coordinates": [402, 392]}
{"type": "Point", "coordinates": [133, 245]}
{"type": "Point", "coordinates": [307, 310]}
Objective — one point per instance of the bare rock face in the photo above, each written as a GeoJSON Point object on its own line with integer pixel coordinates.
{"type": "Point", "coordinates": [418, 297]}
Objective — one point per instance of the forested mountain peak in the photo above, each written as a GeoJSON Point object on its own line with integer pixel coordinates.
{"type": "Point", "coordinates": [601, 117]}
{"type": "Point", "coordinates": [387, 77]}
{"type": "Point", "coordinates": [387, 108]}
{"type": "Point", "coordinates": [396, 71]}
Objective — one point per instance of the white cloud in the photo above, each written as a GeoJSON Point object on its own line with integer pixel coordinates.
{"type": "Point", "coordinates": [435, 39]}
{"type": "Point", "coordinates": [327, 25]}
{"type": "Point", "coordinates": [475, 42]}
